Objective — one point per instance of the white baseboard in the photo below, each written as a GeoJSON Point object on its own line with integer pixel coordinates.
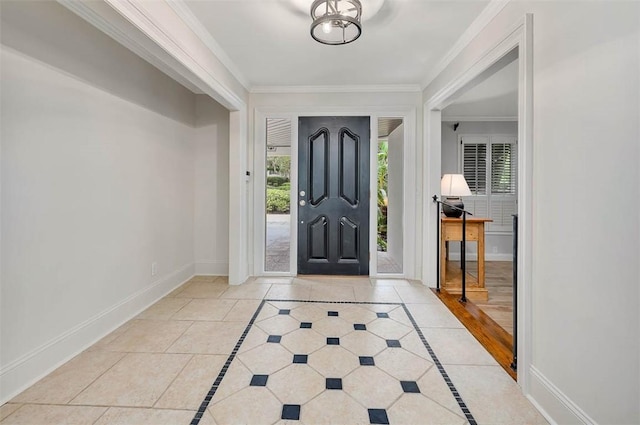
{"type": "Point", "coordinates": [23, 372]}
{"type": "Point", "coordinates": [211, 269]}
{"type": "Point", "coordinates": [554, 405]}
{"type": "Point", "coordinates": [473, 256]}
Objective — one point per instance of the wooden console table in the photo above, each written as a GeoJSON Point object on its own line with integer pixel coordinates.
{"type": "Point", "coordinates": [451, 276]}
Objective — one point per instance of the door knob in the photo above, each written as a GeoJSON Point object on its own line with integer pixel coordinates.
{"type": "Point", "coordinates": [302, 203]}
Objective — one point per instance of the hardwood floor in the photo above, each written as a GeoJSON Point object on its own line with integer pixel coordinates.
{"type": "Point", "coordinates": [499, 282]}
{"type": "Point", "coordinates": [490, 322]}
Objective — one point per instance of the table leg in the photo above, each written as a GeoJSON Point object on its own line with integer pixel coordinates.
{"type": "Point", "coordinates": [443, 258]}
{"type": "Point", "coordinates": [481, 256]}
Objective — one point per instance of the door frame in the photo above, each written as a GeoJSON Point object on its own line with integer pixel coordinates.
{"type": "Point", "coordinates": [411, 241]}
{"type": "Point", "coordinates": [520, 36]}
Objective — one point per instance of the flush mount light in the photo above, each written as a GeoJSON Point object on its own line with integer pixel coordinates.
{"type": "Point", "coordinates": [336, 21]}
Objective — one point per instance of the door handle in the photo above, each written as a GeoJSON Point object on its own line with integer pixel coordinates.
{"type": "Point", "coordinates": [302, 203]}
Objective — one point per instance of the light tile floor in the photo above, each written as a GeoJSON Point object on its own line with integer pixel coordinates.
{"type": "Point", "coordinates": [307, 350]}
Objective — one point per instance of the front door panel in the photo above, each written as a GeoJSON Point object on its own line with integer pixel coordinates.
{"type": "Point", "coordinates": [333, 198]}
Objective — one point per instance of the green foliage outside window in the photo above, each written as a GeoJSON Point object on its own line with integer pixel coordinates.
{"type": "Point", "coordinates": [278, 200]}
{"type": "Point", "coordinates": [383, 177]}
{"type": "Point", "coordinates": [278, 184]}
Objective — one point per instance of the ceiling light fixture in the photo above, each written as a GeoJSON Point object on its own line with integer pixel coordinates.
{"type": "Point", "coordinates": [336, 21]}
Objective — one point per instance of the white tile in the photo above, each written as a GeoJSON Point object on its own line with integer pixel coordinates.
{"type": "Point", "coordinates": [457, 346]}
{"type": "Point", "coordinates": [139, 379]}
{"type": "Point", "coordinates": [36, 414]}
{"type": "Point", "coordinates": [492, 396]}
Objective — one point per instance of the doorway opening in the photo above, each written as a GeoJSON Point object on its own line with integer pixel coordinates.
{"type": "Point", "coordinates": [276, 218]}
{"type": "Point", "coordinates": [516, 42]}
{"type": "Point", "coordinates": [480, 141]}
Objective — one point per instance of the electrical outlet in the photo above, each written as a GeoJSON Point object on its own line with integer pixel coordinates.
{"type": "Point", "coordinates": [154, 268]}
{"type": "Point", "coordinates": [494, 249]}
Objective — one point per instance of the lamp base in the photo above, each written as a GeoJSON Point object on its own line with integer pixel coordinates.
{"type": "Point", "coordinates": [452, 212]}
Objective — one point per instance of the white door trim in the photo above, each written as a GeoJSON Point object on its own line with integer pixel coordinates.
{"type": "Point", "coordinates": [519, 36]}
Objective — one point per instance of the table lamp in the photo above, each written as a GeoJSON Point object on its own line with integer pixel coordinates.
{"type": "Point", "coordinates": [452, 187]}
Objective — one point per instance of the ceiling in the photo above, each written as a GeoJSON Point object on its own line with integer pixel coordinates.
{"type": "Point", "coordinates": [496, 96]}
{"type": "Point", "coordinates": [267, 42]}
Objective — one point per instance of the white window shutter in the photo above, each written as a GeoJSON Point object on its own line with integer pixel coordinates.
{"type": "Point", "coordinates": [490, 165]}
{"type": "Point", "coordinates": [474, 163]}
{"type": "Point", "coordinates": [502, 211]}
{"type": "Point", "coordinates": [504, 163]}
{"type": "Point", "coordinates": [478, 206]}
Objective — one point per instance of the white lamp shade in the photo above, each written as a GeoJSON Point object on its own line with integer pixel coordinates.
{"type": "Point", "coordinates": [454, 185]}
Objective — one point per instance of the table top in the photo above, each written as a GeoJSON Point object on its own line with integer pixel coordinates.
{"type": "Point", "coordinates": [471, 219]}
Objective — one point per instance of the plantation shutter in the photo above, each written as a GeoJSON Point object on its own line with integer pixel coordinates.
{"type": "Point", "coordinates": [474, 165]}
{"type": "Point", "coordinates": [504, 163]}
{"type": "Point", "coordinates": [490, 167]}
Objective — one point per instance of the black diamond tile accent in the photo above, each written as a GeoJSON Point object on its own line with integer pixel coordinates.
{"type": "Point", "coordinates": [274, 338]}
{"type": "Point", "coordinates": [366, 361]}
{"type": "Point", "coordinates": [360, 327]}
{"type": "Point", "coordinates": [259, 380]}
{"type": "Point", "coordinates": [287, 311]}
{"type": "Point", "coordinates": [333, 341]}
{"type": "Point", "coordinates": [378, 416]}
{"type": "Point", "coordinates": [300, 358]}
{"type": "Point", "coordinates": [410, 386]}
{"type": "Point", "coordinates": [291, 412]}
{"type": "Point", "coordinates": [332, 313]}
{"type": "Point", "coordinates": [305, 325]}
{"type": "Point", "coordinates": [334, 384]}
{"type": "Point", "coordinates": [394, 343]}
{"type": "Point", "coordinates": [383, 315]}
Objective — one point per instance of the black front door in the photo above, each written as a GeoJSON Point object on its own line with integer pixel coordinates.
{"type": "Point", "coordinates": [333, 195]}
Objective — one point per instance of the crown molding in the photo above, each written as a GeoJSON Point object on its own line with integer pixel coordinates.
{"type": "Point", "coordinates": [488, 13]}
{"type": "Point", "coordinates": [173, 46]}
{"type": "Point", "coordinates": [96, 19]}
{"type": "Point", "coordinates": [478, 118]}
{"type": "Point", "coordinates": [391, 88]}
{"type": "Point", "coordinates": [186, 14]}
{"type": "Point", "coordinates": [152, 37]}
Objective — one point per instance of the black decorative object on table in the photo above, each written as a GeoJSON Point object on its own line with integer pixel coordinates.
{"type": "Point", "coordinates": [453, 212]}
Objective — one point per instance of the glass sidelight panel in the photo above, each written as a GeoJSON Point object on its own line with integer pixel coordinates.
{"type": "Point", "coordinates": [390, 195]}
{"type": "Point", "coordinates": [278, 195]}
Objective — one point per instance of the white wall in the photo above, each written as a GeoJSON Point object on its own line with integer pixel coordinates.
{"type": "Point", "coordinates": [396, 189]}
{"type": "Point", "coordinates": [586, 325]}
{"type": "Point", "coordinates": [96, 184]}
{"type": "Point", "coordinates": [498, 247]}
{"type": "Point", "coordinates": [211, 226]}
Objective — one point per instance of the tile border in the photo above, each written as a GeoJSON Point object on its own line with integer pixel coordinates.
{"type": "Point", "coordinates": [214, 387]}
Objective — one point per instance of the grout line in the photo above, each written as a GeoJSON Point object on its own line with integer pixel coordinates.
{"type": "Point", "coordinates": [225, 368]}
{"type": "Point", "coordinates": [124, 354]}
{"type": "Point", "coordinates": [173, 380]}
{"type": "Point", "coordinates": [235, 303]}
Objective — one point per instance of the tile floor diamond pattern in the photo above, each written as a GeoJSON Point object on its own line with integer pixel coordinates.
{"type": "Point", "coordinates": [366, 377]}
{"type": "Point", "coordinates": [214, 354]}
